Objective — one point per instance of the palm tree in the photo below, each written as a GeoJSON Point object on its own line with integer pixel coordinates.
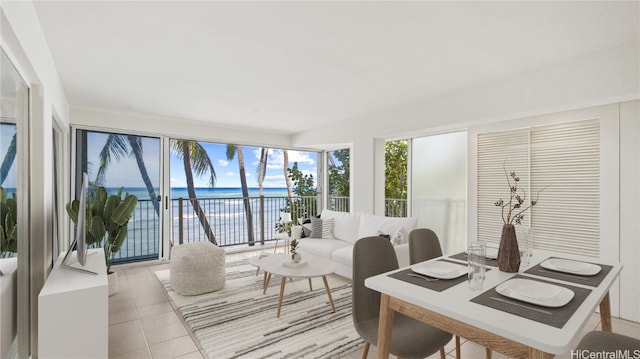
{"type": "Point", "coordinates": [262, 171]}
{"type": "Point", "coordinates": [262, 168]}
{"type": "Point", "coordinates": [285, 157]}
{"type": "Point", "coordinates": [126, 145]}
{"type": "Point", "coordinates": [232, 150]}
{"type": "Point", "coordinates": [195, 157]}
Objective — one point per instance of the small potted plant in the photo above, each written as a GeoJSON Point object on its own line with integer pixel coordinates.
{"type": "Point", "coordinates": [295, 257]}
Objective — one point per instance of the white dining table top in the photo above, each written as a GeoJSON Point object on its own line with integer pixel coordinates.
{"type": "Point", "coordinates": [455, 303]}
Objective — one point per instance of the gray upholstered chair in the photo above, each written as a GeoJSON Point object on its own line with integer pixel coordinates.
{"type": "Point", "coordinates": [410, 338]}
{"type": "Point", "coordinates": [423, 245]}
{"type": "Point", "coordinates": [609, 342]}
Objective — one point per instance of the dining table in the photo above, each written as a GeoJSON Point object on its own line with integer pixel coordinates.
{"type": "Point", "coordinates": [513, 327]}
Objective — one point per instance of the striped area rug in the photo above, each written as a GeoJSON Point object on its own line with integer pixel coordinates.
{"type": "Point", "coordinates": [240, 322]}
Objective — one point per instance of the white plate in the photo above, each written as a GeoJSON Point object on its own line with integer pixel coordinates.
{"type": "Point", "coordinates": [535, 292]}
{"type": "Point", "coordinates": [570, 266]}
{"type": "Point", "coordinates": [440, 269]}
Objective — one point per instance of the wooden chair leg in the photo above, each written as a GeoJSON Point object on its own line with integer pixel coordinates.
{"type": "Point", "coordinates": [458, 354]}
{"type": "Point", "coordinates": [443, 355]}
{"type": "Point", "coordinates": [489, 353]}
{"type": "Point", "coordinates": [365, 351]}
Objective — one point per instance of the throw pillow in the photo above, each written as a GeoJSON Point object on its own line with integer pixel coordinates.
{"type": "Point", "coordinates": [306, 230]}
{"type": "Point", "coordinates": [399, 237]}
{"type": "Point", "coordinates": [321, 228]}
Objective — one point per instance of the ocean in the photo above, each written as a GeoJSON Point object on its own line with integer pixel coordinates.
{"type": "Point", "coordinates": [224, 209]}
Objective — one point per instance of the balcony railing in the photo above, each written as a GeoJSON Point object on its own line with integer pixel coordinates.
{"type": "Point", "coordinates": [227, 219]}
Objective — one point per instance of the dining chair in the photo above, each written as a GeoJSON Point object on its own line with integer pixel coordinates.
{"type": "Point", "coordinates": [423, 245]}
{"type": "Point", "coordinates": [410, 338]}
{"type": "Point", "coordinates": [598, 341]}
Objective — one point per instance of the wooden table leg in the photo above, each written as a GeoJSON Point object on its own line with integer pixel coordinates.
{"type": "Point", "coordinates": [326, 286]}
{"type": "Point", "coordinates": [538, 354]}
{"type": "Point", "coordinates": [384, 328]}
{"type": "Point", "coordinates": [310, 287]}
{"type": "Point", "coordinates": [266, 282]}
{"type": "Point", "coordinates": [605, 313]}
{"type": "Point", "coordinates": [282, 283]}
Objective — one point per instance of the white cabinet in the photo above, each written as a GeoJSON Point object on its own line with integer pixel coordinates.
{"type": "Point", "coordinates": [73, 311]}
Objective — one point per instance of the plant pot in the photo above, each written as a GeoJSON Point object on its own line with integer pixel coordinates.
{"type": "Point", "coordinates": [113, 283]}
{"type": "Point", "coordinates": [296, 258]}
{"type": "Point", "coordinates": [508, 252]}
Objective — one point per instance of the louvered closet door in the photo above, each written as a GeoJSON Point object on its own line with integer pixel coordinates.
{"type": "Point", "coordinates": [497, 152]}
{"type": "Point", "coordinates": [567, 158]}
{"type": "Point", "coordinates": [564, 157]}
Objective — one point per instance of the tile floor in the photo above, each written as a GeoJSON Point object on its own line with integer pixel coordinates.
{"type": "Point", "coordinates": [143, 323]}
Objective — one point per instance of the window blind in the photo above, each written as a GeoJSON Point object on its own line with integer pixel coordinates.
{"type": "Point", "coordinates": [566, 158]}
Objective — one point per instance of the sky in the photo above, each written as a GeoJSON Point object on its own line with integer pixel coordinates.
{"type": "Point", "coordinates": [6, 135]}
{"type": "Point", "coordinates": [125, 171]}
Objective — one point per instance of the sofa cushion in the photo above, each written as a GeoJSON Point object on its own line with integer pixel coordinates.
{"type": "Point", "coordinates": [321, 247]}
{"type": "Point", "coordinates": [343, 255]}
{"type": "Point", "coordinates": [322, 228]}
{"type": "Point", "coordinates": [345, 224]}
{"type": "Point", "coordinates": [398, 228]}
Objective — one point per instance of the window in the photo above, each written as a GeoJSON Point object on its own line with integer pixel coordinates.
{"type": "Point", "coordinates": [395, 175]}
{"type": "Point", "coordinates": [338, 164]}
{"type": "Point", "coordinates": [130, 162]}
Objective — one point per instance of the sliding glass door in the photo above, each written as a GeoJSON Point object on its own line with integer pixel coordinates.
{"type": "Point", "coordinates": [131, 163]}
{"type": "Point", "coordinates": [439, 187]}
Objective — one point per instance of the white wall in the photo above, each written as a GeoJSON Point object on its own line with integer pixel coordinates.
{"type": "Point", "coordinates": [24, 42]}
{"type": "Point", "coordinates": [605, 77]}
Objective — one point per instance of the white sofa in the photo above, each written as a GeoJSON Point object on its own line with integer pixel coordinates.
{"type": "Point", "coordinates": [348, 228]}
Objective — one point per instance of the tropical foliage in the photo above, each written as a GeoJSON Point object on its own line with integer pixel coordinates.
{"type": "Point", "coordinates": [304, 186]}
{"type": "Point", "coordinates": [339, 172]}
{"type": "Point", "coordinates": [107, 219]}
{"type": "Point", "coordinates": [8, 224]}
{"type": "Point", "coordinates": [395, 187]}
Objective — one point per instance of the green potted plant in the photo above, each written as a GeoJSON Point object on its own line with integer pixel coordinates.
{"type": "Point", "coordinates": [106, 225]}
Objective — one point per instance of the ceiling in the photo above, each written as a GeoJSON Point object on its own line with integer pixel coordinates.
{"type": "Point", "coordinates": [287, 67]}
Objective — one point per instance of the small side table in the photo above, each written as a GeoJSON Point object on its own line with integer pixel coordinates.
{"type": "Point", "coordinates": [284, 236]}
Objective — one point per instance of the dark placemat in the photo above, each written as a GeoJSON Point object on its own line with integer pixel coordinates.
{"type": "Point", "coordinates": [463, 257]}
{"type": "Point", "coordinates": [555, 317]}
{"type": "Point", "coordinates": [438, 286]}
{"type": "Point", "coordinates": [592, 281]}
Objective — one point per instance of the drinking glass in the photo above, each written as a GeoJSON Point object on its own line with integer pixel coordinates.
{"type": "Point", "coordinates": [525, 245]}
{"type": "Point", "coordinates": [476, 261]}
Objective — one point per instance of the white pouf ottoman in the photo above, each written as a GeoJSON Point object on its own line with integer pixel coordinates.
{"type": "Point", "coordinates": [197, 268]}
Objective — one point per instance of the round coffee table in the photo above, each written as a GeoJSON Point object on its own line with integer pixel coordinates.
{"type": "Point", "coordinates": [314, 267]}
